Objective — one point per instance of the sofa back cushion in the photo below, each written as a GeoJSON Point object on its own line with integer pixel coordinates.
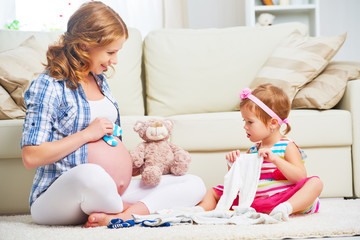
{"type": "Point", "coordinates": [17, 66]}
{"type": "Point", "coordinates": [125, 83]}
{"type": "Point", "coordinates": [186, 68]}
{"type": "Point", "coordinates": [10, 39]}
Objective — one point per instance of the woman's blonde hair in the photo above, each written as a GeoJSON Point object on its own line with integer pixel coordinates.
{"type": "Point", "coordinates": [273, 97]}
{"type": "Point", "coordinates": [94, 24]}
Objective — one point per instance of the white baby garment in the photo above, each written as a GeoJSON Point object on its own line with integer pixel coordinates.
{"type": "Point", "coordinates": [242, 179]}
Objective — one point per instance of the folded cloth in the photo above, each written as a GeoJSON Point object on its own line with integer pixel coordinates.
{"type": "Point", "coordinates": [154, 223]}
{"type": "Point", "coordinates": [242, 179]}
{"type": "Point", "coordinates": [241, 216]}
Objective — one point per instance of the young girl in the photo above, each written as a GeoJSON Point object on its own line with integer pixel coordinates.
{"type": "Point", "coordinates": [284, 187]}
{"type": "Point", "coordinates": [70, 108]}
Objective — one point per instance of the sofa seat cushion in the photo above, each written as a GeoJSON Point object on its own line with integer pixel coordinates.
{"type": "Point", "coordinates": [224, 131]}
{"type": "Point", "coordinates": [11, 130]}
{"type": "Point", "coordinates": [199, 71]}
{"type": "Point", "coordinates": [210, 132]}
{"type": "Point", "coordinates": [316, 128]}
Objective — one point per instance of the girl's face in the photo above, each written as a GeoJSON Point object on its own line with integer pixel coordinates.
{"type": "Point", "coordinates": [102, 57]}
{"type": "Point", "coordinates": [255, 129]}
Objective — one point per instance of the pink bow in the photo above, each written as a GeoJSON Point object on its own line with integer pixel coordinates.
{"type": "Point", "coordinates": [245, 93]}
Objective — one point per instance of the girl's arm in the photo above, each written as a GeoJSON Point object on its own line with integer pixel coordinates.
{"type": "Point", "coordinates": [291, 167]}
{"type": "Point", "coordinates": [50, 152]}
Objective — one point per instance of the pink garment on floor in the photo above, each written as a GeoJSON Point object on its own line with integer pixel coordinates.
{"type": "Point", "coordinates": [267, 204]}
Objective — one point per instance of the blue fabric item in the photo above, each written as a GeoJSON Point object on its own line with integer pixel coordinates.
{"type": "Point", "coordinates": [119, 223]}
{"type": "Point", "coordinates": [152, 223]}
{"type": "Point", "coordinates": [110, 139]}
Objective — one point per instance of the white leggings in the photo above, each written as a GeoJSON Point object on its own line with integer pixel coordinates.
{"type": "Point", "coordinates": [88, 188]}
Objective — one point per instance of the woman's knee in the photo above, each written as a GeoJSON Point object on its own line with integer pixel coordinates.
{"type": "Point", "coordinates": [197, 184]}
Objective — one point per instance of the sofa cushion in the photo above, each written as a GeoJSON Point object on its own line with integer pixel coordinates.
{"type": "Point", "coordinates": [315, 128]}
{"type": "Point", "coordinates": [19, 66]}
{"type": "Point", "coordinates": [11, 132]}
{"type": "Point", "coordinates": [327, 89]}
{"type": "Point", "coordinates": [210, 132]}
{"type": "Point", "coordinates": [8, 108]}
{"type": "Point", "coordinates": [187, 70]}
{"type": "Point", "coordinates": [10, 39]}
{"type": "Point", "coordinates": [298, 60]}
{"type": "Point", "coordinates": [126, 83]}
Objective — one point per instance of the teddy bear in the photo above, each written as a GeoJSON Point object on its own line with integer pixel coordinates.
{"type": "Point", "coordinates": [265, 19]}
{"type": "Point", "coordinates": [157, 156]}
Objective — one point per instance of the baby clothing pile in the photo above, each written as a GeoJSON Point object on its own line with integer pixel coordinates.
{"type": "Point", "coordinates": [241, 180]}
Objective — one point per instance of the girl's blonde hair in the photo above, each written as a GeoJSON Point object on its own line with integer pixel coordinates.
{"type": "Point", "coordinates": [94, 24]}
{"type": "Point", "coordinates": [273, 97]}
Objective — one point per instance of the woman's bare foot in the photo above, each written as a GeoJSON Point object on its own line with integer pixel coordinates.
{"type": "Point", "coordinates": [102, 219]}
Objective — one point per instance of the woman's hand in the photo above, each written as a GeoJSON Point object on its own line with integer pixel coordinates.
{"type": "Point", "coordinates": [232, 156]}
{"type": "Point", "coordinates": [98, 128]}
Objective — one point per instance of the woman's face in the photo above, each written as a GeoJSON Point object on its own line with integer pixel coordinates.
{"type": "Point", "coordinates": [102, 57]}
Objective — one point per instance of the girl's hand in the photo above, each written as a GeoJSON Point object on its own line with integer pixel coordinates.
{"type": "Point", "coordinates": [98, 128]}
{"type": "Point", "coordinates": [268, 155]}
{"type": "Point", "coordinates": [231, 156]}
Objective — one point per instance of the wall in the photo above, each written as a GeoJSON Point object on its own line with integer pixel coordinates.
{"type": "Point", "coordinates": [229, 13]}
{"type": "Point", "coordinates": [215, 13]}
{"type": "Point", "coordinates": [337, 17]}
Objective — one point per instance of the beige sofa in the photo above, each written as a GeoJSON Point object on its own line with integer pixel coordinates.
{"type": "Point", "coordinates": [194, 77]}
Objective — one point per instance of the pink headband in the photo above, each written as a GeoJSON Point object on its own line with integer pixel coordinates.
{"type": "Point", "coordinates": [246, 93]}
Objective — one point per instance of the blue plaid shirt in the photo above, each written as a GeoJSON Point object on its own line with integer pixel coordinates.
{"type": "Point", "coordinates": [55, 111]}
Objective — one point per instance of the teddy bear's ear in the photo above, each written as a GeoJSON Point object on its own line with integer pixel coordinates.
{"type": "Point", "coordinates": [138, 125]}
{"type": "Point", "coordinates": [169, 123]}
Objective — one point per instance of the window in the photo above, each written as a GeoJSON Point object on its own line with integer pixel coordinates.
{"type": "Point", "coordinates": [45, 15]}
{"type": "Point", "coordinates": [42, 15]}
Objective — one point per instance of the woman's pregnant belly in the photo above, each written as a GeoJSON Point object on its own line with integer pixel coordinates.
{"type": "Point", "coordinates": [114, 159]}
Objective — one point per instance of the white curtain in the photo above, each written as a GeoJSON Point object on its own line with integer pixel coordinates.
{"type": "Point", "coordinates": [175, 14]}
{"type": "Point", "coordinates": [148, 15]}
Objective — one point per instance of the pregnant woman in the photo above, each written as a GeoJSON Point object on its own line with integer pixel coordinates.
{"type": "Point", "coordinates": [79, 177]}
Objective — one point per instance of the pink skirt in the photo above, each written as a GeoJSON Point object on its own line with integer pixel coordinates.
{"type": "Point", "coordinates": [265, 204]}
